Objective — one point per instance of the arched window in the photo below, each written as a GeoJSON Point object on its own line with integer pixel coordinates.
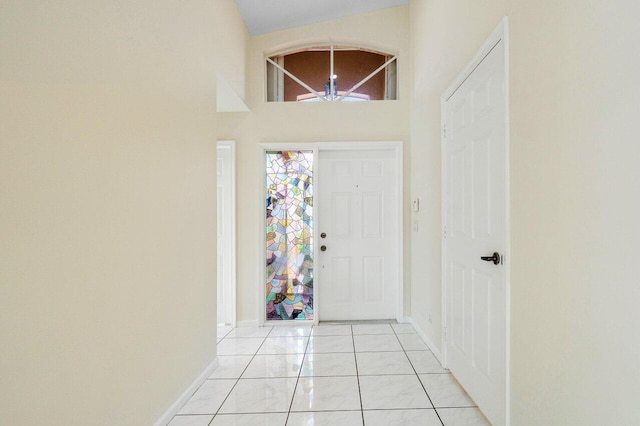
{"type": "Point", "coordinates": [331, 73]}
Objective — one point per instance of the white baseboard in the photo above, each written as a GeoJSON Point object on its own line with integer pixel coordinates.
{"type": "Point", "coordinates": [247, 323]}
{"type": "Point", "coordinates": [433, 348]}
{"type": "Point", "coordinates": [184, 397]}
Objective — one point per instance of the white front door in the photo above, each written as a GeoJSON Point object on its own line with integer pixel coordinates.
{"type": "Point", "coordinates": [475, 177]}
{"type": "Point", "coordinates": [226, 233]}
{"type": "Point", "coordinates": [358, 229]}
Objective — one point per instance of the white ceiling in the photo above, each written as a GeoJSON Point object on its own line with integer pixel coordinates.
{"type": "Point", "coordinates": [265, 16]}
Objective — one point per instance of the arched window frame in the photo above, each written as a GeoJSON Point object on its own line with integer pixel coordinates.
{"type": "Point", "coordinates": [333, 95]}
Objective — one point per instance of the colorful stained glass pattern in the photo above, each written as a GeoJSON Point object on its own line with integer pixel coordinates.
{"type": "Point", "coordinates": [289, 235]}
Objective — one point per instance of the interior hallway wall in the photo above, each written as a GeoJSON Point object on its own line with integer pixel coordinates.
{"type": "Point", "coordinates": [312, 122]}
{"type": "Point", "coordinates": [107, 204]}
{"type": "Point", "coordinates": [439, 53]}
{"type": "Point", "coordinates": [575, 334]}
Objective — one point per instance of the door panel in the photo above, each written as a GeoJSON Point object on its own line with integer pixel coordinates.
{"type": "Point", "coordinates": [372, 168]}
{"type": "Point", "coordinates": [458, 192]}
{"type": "Point", "coordinates": [481, 195]}
{"type": "Point", "coordinates": [358, 211]}
{"type": "Point", "coordinates": [340, 208]}
{"type": "Point", "coordinates": [457, 313]}
{"type": "Point", "coordinates": [373, 276]}
{"type": "Point", "coordinates": [475, 188]}
{"type": "Point", "coordinates": [372, 215]}
{"type": "Point", "coordinates": [341, 275]}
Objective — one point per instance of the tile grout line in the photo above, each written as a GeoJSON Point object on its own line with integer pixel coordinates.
{"type": "Point", "coordinates": [194, 392]}
{"type": "Point", "coordinates": [264, 339]}
{"type": "Point", "coordinates": [294, 412]}
{"type": "Point", "coordinates": [304, 356]}
{"type": "Point", "coordinates": [418, 377]}
{"type": "Point", "coordinates": [225, 335]}
{"type": "Point", "coordinates": [299, 375]}
{"type": "Point", "coordinates": [355, 358]}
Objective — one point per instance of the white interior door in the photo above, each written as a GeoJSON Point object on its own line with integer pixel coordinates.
{"type": "Point", "coordinates": [358, 226]}
{"type": "Point", "coordinates": [226, 233]}
{"type": "Point", "coordinates": [476, 176]}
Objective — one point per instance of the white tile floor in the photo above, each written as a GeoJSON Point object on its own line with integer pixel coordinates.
{"type": "Point", "coordinates": [347, 375]}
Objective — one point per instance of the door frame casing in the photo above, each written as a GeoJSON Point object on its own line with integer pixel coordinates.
{"type": "Point", "coordinates": [316, 147]}
{"type": "Point", "coordinates": [231, 146]}
{"type": "Point", "coordinates": [500, 33]}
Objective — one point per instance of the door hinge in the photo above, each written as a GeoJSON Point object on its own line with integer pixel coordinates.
{"type": "Point", "coordinates": [444, 232]}
{"type": "Point", "coordinates": [444, 131]}
{"type": "Point", "coordinates": [444, 332]}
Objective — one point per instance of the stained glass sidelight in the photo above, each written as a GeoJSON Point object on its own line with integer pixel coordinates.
{"type": "Point", "coordinates": [289, 235]}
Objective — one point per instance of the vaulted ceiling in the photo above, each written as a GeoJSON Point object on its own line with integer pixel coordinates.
{"type": "Point", "coordinates": [265, 16]}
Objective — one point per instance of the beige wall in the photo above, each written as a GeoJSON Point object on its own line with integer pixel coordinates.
{"type": "Point", "coordinates": [574, 206]}
{"type": "Point", "coordinates": [230, 46]}
{"type": "Point", "coordinates": [107, 206]}
{"type": "Point", "coordinates": [290, 122]}
{"type": "Point", "coordinates": [439, 53]}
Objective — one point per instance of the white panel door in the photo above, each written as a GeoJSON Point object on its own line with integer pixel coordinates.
{"type": "Point", "coordinates": [225, 212]}
{"type": "Point", "coordinates": [476, 226]}
{"type": "Point", "coordinates": [358, 216]}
